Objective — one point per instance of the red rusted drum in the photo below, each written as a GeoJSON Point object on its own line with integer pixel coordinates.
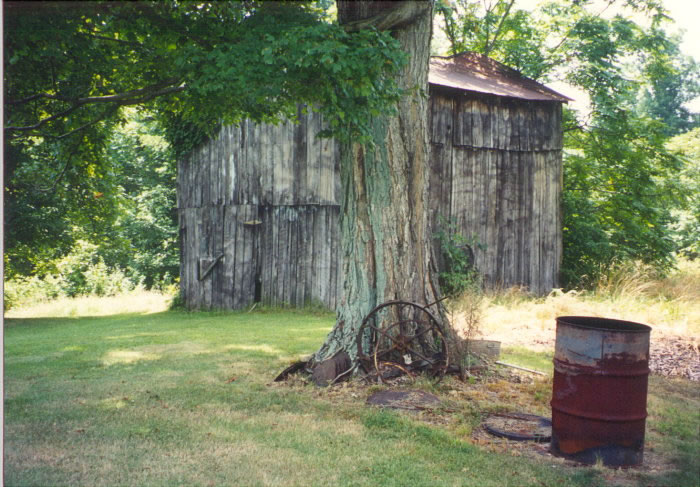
{"type": "Point", "coordinates": [599, 397]}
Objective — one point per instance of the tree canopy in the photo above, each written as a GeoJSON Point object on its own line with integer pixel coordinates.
{"type": "Point", "coordinates": [71, 68]}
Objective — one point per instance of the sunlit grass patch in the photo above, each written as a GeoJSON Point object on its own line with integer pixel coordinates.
{"type": "Point", "coordinates": [135, 302]}
{"type": "Point", "coordinates": [540, 361]}
{"type": "Point", "coordinates": [127, 357]}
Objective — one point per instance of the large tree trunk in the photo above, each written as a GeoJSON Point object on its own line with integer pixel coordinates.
{"type": "Point", "coordinates": [384, 221]}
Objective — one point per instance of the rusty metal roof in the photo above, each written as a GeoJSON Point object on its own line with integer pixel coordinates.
{"type": "Point", "coordinates": [475, 72]}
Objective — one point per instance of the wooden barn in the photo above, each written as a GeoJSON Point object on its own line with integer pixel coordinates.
{"type": "Point", "coordinates": [259, 204]}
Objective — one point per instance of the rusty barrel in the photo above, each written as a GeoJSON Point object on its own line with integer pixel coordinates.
{"type": "Point", "coordinates": [599, 396]}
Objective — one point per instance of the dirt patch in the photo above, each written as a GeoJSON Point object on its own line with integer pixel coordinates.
{"type": "Point", "coordinates": [407, 400]}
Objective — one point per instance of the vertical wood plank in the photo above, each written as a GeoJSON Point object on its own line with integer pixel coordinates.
{"type": "Point", "coordinates": [536, 262]}
{"type": "Point", "coordinates": [460, 189]}
{"type": "Point", "coordinates": [320, 230]}
{"type": "Point", "coordinates": [498, 117]}
{"type": "Point", "coordinates": [283, 167]}
{"type": "Point", "coordinates": [559, 185]}
{"type": "Point", "coordinates": [506, 107]}
{"type": "Point", "coordinates": [247, 154]}
{"type": "Point", "coordinates": [251, 166]}
{"type": "Point", "coordinates": [229, 261]}
{"type": "Point", "coordinates": [300, 140]}
{"type": "Point", "coordinates": [238, 215]}
{"type": "Point", "coordinates": [264, 253]}
{"type": "Point", "coordinates": [328, 263]}
{"type": "Point", "coordinates": [524, 124]}
{"type": "Point", "coordinates": [462, 132]}
{"type": "Point", "coordinates": [313, 168]}
{"type": "Point", "coordinates": [442, 119]}
{"type": "Point", "coordinates": [214, 170]}
{"type": "Point", "coordinates": [336, 262]}
{"type": "Point", "coordinates": [250, 265]}
{"type": "Point", "coordinates": [184, 255]}
{"type": "Point", "coordinates": [219, 272]}
{"type": "Point", "coordinates": [292, 256]}
{"type": "Point", "coordinates": [469, 223]}
{"type": "Point", "coordinates": [283, 256]}
{"type": "Point", "coordinates": [494, 209]}
{"type": "Point", "coordinates": [514, 237]}
{"type": "Point", "coordinates": [304, 254]}
{"type": "Point", "coordinates": [478, 129]}
{"type": "Point", "coordinates": [274, 257]}
{"type": "Point", "coordinates": [526, 209]}
{"type": "Point", "coordinates": [489, 123]}
{"type": "Point", "coordinates": [514, 141]}
{"type": "Point", "coordinates": [558, 122]}
{"type": "Point", "coordinates": [265, 162]}
{"type": "Point", "coordinates": [326, 182]}
{"type": "Point", "coordinates": [476, 207]}
{"type": "Point", "coordinates": [551, 222]}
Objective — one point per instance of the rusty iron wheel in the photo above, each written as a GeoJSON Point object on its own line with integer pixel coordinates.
{"type": "Point", "coordinates": [401, 337]}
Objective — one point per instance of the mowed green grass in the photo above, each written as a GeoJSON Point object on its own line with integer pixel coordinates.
{"type": "Point", "coordinates": [177, 398]}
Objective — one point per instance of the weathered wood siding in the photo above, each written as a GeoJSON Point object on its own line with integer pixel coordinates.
{"type": "Point", "coordinates": [259, 217]}
{"type": "Point", "coordinates": [259, 204]}
{"type": "Point", "coordinates": [496, 171]}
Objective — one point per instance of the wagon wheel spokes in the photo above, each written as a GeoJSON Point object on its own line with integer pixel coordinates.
{"type": "Point", "coordinates": [404, 345]}
{"type": "Point", "coordinates": [398, 342]}
{"type": "Point", "coordinates": [397, 331]}
{"type": "Point", "coordinates": [406, 348]}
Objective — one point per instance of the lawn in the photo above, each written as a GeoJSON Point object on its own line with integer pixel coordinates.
{"type": "Point", "coordinates": [176, 398]}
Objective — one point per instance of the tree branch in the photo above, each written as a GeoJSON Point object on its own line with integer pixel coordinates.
{"type": "Point", "coordinates": [446, 12]}
{"type": "Point", "coordinates": [112, 39]}
{"type": "Point", "coordinates": [165, 84]}
{"type": "Point", "coordinates": [61, 173]}
{"type": "Point", "coordinates": [43, 121]}
{"type": "Point", "coordinates": [88, 124]}
{"type": "Point", "coordinates": [490, 45]}
{"type": "Point", "coordinates": [404, 13]}
{"type": "Point", "coordinates": [132, 97]}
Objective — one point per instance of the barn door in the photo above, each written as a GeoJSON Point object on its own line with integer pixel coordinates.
{"type": "Point", "coordinates": [240, 263]}
{"type": "Point", "coordinates": [209, 253]}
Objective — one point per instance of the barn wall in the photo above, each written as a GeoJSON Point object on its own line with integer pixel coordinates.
{"type": "Point", "coordinates": [259, 204]}
{"type": "Point", "coordinates": [496, 172]}
{"type": "Point", "coordinates": [259, 217]}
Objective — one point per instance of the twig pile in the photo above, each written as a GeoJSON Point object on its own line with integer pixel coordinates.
{"type": "Point", "coordinates": [675, 356]}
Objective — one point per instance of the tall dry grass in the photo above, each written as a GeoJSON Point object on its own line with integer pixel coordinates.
{"type": "Point", "coordinates": [141, 302]}
{"type": "Point", "coordinates": [670, 305]}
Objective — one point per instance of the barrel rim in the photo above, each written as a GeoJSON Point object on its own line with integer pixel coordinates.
{"type": "Point", "coordinates": [604, 324]}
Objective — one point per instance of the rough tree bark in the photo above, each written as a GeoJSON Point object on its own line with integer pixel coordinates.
{"type": "Point", "coordinates": [384, 221]}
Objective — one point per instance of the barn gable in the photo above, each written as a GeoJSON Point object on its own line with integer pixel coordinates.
{"type": "Point", "coordinates": [259, 204]}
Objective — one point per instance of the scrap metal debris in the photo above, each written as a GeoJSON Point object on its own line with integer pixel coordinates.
{"type": "Point", "coordinates": [519, 426]}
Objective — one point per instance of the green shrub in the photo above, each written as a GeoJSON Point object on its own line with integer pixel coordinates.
{"type": "Point", "coordinates": [102, 281]}
{"type": "Point", "coordinates": [24, 291]}
{"type": "Point", "coordinates": [80, 273]}
{"type": "Point", "coordinates": [459, 275]}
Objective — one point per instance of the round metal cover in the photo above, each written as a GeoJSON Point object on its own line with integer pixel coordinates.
{"type": "Point", "coordinates": [410, 400]}
{"type": "Point", "coordinates": [519, 426]}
